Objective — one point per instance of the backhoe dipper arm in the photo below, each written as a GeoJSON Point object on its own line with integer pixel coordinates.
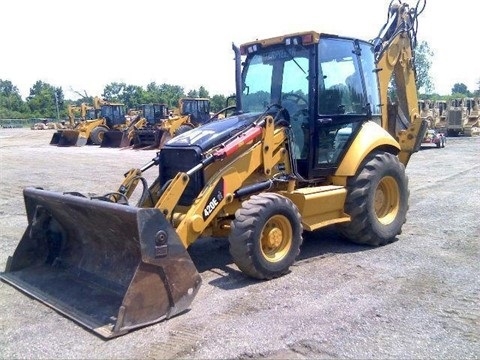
{"type": "Point", "coordinates": [394, 52]}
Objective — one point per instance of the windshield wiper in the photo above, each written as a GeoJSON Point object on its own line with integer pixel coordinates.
{"type": "Point", "coordinates": [295, 61]}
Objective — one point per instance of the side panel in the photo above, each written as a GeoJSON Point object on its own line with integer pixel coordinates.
{"type": "Point", "coordinates": [320, 206]}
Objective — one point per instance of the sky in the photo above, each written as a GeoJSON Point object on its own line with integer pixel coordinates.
{"type": "Point", "coordinates": [82, 46]}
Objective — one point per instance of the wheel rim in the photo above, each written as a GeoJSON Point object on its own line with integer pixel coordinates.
{"type": "Point", "coordinates": [387, 200]}
{"type": "Point", "coordinates": [276, 239]}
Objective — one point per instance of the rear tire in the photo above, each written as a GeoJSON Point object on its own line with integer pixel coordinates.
{"type": "Point", "coordinates": [96, 136]}
{"type": "Point", "coordinates": [377, 201]}
{"type": "Point", "coordinates": [266, 236]}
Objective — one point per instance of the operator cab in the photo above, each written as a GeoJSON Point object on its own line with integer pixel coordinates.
{"type": "Point", "coordinates": [113, 114]}
{"type": "Point", "coordinates": [327, 84]}
{"type": "Point", "coordinates": [197, 108]}
{"type": "Point", "coordinates": [154, 113]}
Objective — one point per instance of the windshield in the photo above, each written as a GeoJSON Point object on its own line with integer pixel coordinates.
{"type": "Point", "coordinates": [272, 74]}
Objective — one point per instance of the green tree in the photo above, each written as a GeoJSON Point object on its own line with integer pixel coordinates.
{"type": "Point", "coordinates": [11, 103]}
{"type": "Point", "coordinates": [423, 63]}
{"type": "Point", "coordinates": [171, 94]}
{"type": "Point", "coordinates": [153, 94]}
{"type": "Point", "coordinates": [192, 94]}
{"type": "Point", "coordinates": [460, 88]}
{"type": "Point", "coordinates": [42, 102]}
{"type": "Point", "coordinates": [114, 91]}
{"type": "Point", "coordinates": [132, 96]}
{"type": "Point", "coordinates": [218, 102]}
{"type": "Point", "coordinates": [202, 92]}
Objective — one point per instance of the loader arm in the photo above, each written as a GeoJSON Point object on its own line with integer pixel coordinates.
{"type": "Point", "coordinates": [136, 124]}
{"type": "Point", "coordinates": [260, 147]}
{"type": "Point", "coordinates": [395, 57]}
{"type": "Point", "coordinates": [171, 125]}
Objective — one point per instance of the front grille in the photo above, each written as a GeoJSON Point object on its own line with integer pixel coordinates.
{"type": "Point", "coordinates": [455, 117]}
{"type": "Point", "coordinates": [175, 160]}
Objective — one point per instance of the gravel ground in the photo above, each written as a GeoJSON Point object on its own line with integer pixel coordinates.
{"type": "Point", "coordinates": [415, 298]}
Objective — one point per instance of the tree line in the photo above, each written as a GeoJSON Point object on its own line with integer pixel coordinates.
{"type": "Point", "coordinates": [47, 101]}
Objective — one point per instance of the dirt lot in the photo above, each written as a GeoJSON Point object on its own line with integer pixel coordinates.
{"type": "Point", "coordinates": [415, 298]}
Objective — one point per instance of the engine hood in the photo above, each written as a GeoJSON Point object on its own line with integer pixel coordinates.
{"type": "Point", "coordinates": [214, 133]}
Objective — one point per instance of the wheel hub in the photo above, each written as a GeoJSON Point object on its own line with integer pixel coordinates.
{"type": "Point", "coordinates": [274, 238]}
{"type": "Point", "coordinates": [387, 200]}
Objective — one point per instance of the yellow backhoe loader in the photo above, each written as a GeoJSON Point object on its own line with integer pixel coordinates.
{"type": "Point", "coordinates": [191, 112]}
{"type": "Point", "coordinates": [107, 116]}
{"type": "Point", "coordinates": [314, 142]}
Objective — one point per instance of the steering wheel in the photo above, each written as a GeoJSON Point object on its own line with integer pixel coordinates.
{"type": "Point", "coordinates": [298, 105]}
{"type": "Point", "coordinates": [297, 99]}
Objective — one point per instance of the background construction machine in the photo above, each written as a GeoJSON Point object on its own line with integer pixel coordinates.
{"type": "Point", "coordinates": [314, 142]}
{"type": "Point", "coordinates": [441, 111]}
{"type": "Point", "coordinates": [123, 137]}
{"type": "Point", "coordinates": [146, 135]}
{"type": "Point", "coordinates": [76, 114]}
{"type": "Point", "coordinates": [108, 115]}
{"type": "Point", "coordinates": [191, 112]}
{"type": "Point", "coordinates": [427, 112]}
{"type": "Point", "coordinates": [471, 126]}
{"type": "Point", "coordinates": [463, 117]}
{"type": "Point", "coordinates": [456, 115]}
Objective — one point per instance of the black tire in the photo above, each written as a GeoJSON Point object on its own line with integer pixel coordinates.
{"type": "Point", "coordinates": [182, 129]}
{"type": "Point", "coordinates": [377, 201]}
{"type": "Point", "coordinates": [256, 254]}
{"type": "Point", "coordinates": [96, 136]}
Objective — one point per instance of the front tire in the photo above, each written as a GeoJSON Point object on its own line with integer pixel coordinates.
{"type": "Point", "coordinates": [97, 134]}
{"type": "Point", "coordinates": [377, 201]}
{"type": "Point", "coordinates": [266, 236]}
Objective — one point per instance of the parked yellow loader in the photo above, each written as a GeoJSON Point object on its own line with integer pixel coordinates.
{"type": "Point", "coordinates": [191, 112]}
{"type": "Point", "coordinates": [128, 135]}
{"type": "Point", "coordinates": [108, 115]}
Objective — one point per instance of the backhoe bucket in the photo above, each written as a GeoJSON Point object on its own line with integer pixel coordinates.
{"type": "Point", "coordinates": [115, 139]}
{"type": "Point", "coordinates": [68, 138]}
{"type": "Point", "coordinates": [110, 267]}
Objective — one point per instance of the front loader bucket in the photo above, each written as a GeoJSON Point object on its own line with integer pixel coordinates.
{"type": "Point", "coordinates": [110, 267]}
{"type": "Point", "coordinates": [115, 139]}
{"type": "Point", "coordinates": [56, 138]}
{"type": "Point", "coordinates": [68, 138]}
{"type": "Point", "coordinates": [147, 139]}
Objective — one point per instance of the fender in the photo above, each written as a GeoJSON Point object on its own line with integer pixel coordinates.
{"type": "Point", "coordinates": [370, 137]}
